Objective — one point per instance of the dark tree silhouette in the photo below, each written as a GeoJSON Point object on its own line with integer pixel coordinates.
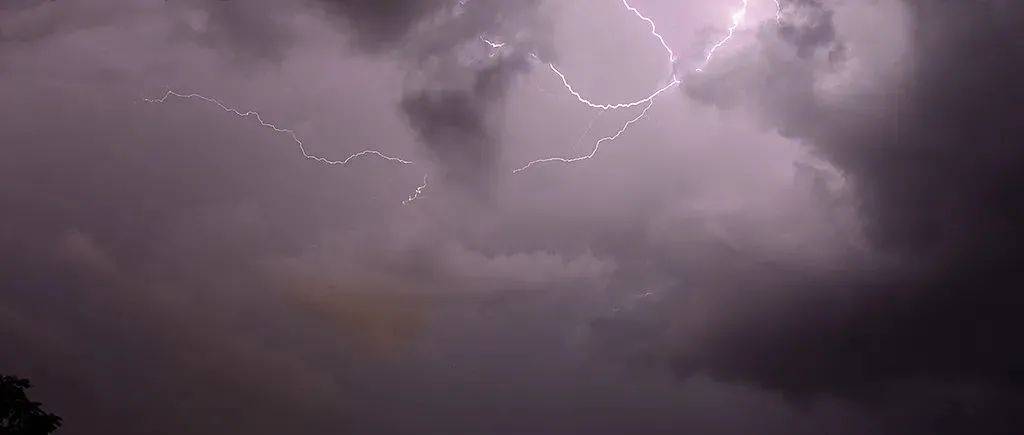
{"type": "Point", "coordinates": [20, 416]}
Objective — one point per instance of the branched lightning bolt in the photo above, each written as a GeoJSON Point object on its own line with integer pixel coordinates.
{"type": "Point", "coordinates": [625, 105]}
{"type": "Point", "coordinates": [289, 132]}
{"type": "Point", "coordinates": [648, 101]}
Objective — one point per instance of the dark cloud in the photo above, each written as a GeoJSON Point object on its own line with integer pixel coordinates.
{"type": "Point", "coordinates": [381, 24]}
{"type": "Point", "coordinates": [457, 123]}
{"type": "Point", "coordinates": [454, 124]}
{"type": "Point", "coordinates": [456, 118]}
{"type": "Point", "coordinates": [934, 174]}
{"type": "Point", "coordinates": [247, 30]}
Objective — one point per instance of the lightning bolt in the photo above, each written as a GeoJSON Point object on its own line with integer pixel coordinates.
{"type": "Point", "coordinates": [286, 131]}
{"type": "Point", "coordinates": [613, 106]}
{"type": "Point", "coordinates": [494, 45]}
{"type": "Point", "coordinates": [642, 101]}
{"type": "Point", "coordinates": [648, 101]}
{"type": "Point", "coordinates": [597, 145]}
{"type": "Point", "coordinates": [737, 18]}
{"type": "Point", "coordinates": [416, 194]}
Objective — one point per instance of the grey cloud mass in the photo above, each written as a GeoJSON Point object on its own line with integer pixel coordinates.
{"type": "Point", "coordinates": [819, 233]}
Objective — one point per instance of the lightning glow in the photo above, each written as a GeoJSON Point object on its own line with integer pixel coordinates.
{"type": "Point", "coordinates": [288, 132]}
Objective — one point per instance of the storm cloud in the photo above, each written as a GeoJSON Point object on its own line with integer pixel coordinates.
{"type": "Point", "coordinates": [816, 234]}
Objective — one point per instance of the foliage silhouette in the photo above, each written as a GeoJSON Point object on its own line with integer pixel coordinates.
{"type": "Point", "coordinates": [18, 414]}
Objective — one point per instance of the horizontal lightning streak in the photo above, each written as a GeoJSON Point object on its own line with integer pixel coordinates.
{"type": "Point", "coordinates": [291, 133]}
{"type": "Point", "coordinates": [614, 106]}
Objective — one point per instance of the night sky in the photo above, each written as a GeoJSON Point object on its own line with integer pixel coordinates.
{"type": "Point", "coordinates": [819, 232]}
